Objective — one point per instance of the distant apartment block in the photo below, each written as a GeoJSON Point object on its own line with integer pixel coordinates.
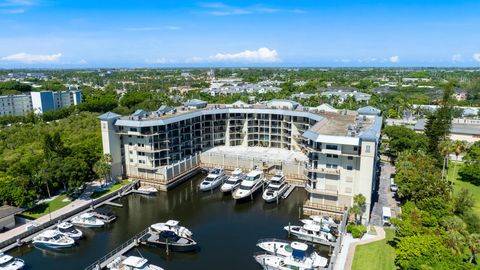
{"type": "Point", "coordinates": [38, 102]}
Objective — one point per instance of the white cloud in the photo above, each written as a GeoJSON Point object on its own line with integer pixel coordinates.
{"type": "Point", "coordinates": [154, 28]}
{"type": "Point", "coordinates": [457, 58]}
{"type": "Point", "coordinates": [476, 57]}
{"type": "Point", "coordinates": [32, 58]}
{"type": "Point", "coordinates": [221, 9]}
{"type": "Point", "coordinates": [394, 59]}
{"type": "Point", "coordinates": [15, 6]}
{"type": "Point", "coordinates": [82, 62]}
{"type": "Point", "coordinates": [261, 55]}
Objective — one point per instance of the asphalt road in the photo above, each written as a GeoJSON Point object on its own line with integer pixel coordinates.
{"type": "Point", "coordinates": [383, 196]}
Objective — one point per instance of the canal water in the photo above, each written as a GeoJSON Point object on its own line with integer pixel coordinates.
{"type": "Point", "coordinates": [226, 231]}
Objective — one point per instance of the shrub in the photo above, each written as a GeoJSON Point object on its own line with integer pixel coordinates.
{"type": "Point", "coordinates": [357, 231]}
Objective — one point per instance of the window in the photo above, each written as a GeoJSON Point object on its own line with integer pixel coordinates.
{"type": "Point", "coordinates": [331, 147]}
{"type": "Point", "coordinates": [350, 158]}
{"type": "Point", "coordinates": [367, 149]}
{"type": "Point", "coordinates": [130, 152]}
{"type": "Point", "coordinates": [355, 148]}
{"type": "Point", "coordinates": [349, 168]}
{"type": "Point", "coordinates": [131, 160]}
{"type": "Point", "coordinates": [332, 156]}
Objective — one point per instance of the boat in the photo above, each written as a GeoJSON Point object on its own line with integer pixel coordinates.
{"type": "Point", "coordinates": [105, 214]}
{"type": "Point", "coordinates": [168, 239]}
{"type": "Point", "coordinates": [131, 263]}
{"type": "Point", "coordinates": [173, 226]}
{"type": "Point", "coordinates": [87, 220]}
{"type": "Point", "coordinates": [284, 248]}
{"type": "Point", "coordinates": [311, 233]}
{"type": "Point", "coordinates": [233, 181]}
{"type": "Point", "coordinates": [69, 230]}
{"type": "Point", "coordinates": [252, 182]}
{"type": "Point", "coordinates": [297, 260]}
{"type": "Point", "coordinates": [213, 180]}
{"type": "Point", "coordinates": [53, 239]}
{"type": "Point", "coordinates": [8, 262]}
{"type": "Point", "coordinates": [276, 188]}
{"type": "Point", "coordinates": [147, 190]}
{"type": "Point", "coordinates": [326, 224]}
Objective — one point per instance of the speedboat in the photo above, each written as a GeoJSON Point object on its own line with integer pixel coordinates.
{"type": "Point", "coordinates": [172, 225]}
{"type": "Point", "coordinates": [87, 220]}
{"type": "Point", "coordinates": [284, 248]}
{"type": "Point", "coordinates": [53, 239]}
{"type": "Point", "coordinates": [8, 262]}
{"type": "Point", "coordinates": [252, 182]}
{"type": "Point", "coordinates": [213, 180]}
{"type": "Point", "coordinates": [297, 260]}
{"type": "Point", "coordinates": [167, 238]}
{"type": "Point", "coordinates": [326, 224]}
{"type": "Point", "coordinates": [132, 263]}
{"type": "Point", "coordinates": [275, 188]}
{"type": "Point", "coordinates": [233, 181]}
{"type": "Point", "coordinates": [148, 190]}
{"type": "Point", "coordinates": [310, 232]}
{"type": "Point", "coordinates": [69, 230]}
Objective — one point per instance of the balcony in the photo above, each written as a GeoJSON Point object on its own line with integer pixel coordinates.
{"type": "Point", "coordinates": [309, 189]}
{"type": "Point", "coordinates": [331, 171]}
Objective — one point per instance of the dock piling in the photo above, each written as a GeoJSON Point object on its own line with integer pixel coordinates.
{"type": "Point", "coordinates": [288, 229]}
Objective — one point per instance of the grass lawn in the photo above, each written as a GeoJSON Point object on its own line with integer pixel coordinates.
{"type": "Point", "coordinates": [376, 255]}
{"type": "Point", "coordinates": [459, 184]}
{"type": "Point", "coordinates": [43, 208]}
{"type": "Point", "coordinates": [110, 190]}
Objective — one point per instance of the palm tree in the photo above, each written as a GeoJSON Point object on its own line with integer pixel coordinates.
{"type": "Point", "coordinates": [445, 148]}
{"type": "Point", "coordinates": [458, 148]}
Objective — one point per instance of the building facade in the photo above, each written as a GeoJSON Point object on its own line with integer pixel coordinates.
{"type": "Point", "coordinates": [342, 147]}
{"type": "Point", "coordinates": [38, 102]}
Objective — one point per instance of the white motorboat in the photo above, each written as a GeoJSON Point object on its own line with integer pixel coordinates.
{"type": "Point", "coordinates": [310, 232]}
{"type": "Point", "coordinates": [172, 225]}
{"type": "Point", "coordinates": [53, 239]}
{"type": "Point", "coordinates": [284, 248]}
{"type": "Point", "coordinates": [275, 188]}
{"type": "Point", "coordinates": [8, 262]}
{"type": "Point", "coordinates": [213, 180]}
{"type": "Point", "coordinates": [148, 190]}
{"type": "Point", "coordinates": [132, 263]}
{"type": "Point", "coordinates": [319, 220]}
{"type": "Point", "coordinates": [252, 182]}
{"type": "Point", "coordinates": [233, 181]}
{"type": "Point", "coordinates": [298, 260]}
{"type": "Point", "coordinates": [87, 220]}
{"type": "Point", "coordinates": [69, 230]}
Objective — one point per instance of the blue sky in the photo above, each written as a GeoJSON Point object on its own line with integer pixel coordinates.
{"type": "Point", "coordinates": [49, 33]}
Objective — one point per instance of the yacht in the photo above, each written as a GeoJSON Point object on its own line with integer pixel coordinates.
{"type": "Point", "coordinates": [326, 224]}
{"type": "Point", "coordinates": [52, 239]}
{"type": "Point", "coordinates": [252, 182]}
{"type": "Point", "coordinates": [213, 180]}
{"type": "Point", "coordinates": [69, 230]}
{"type": "Point", "coordinates": [275, 188]}
{"type": "Point", "coordinates": [173, 226]}
{"type": "Point", "coordinates": [284, 248]}
{"type": "Point", "coordinates": [132, 263]}
{"type": "Point", "coordinates": [297, 260]}
{"type": "Point", "coordinates": [310, 232]}
{"type": "Point", "coordinates": [8, 262]}
{"type": "Point", "coordinates": [87, 220]}
{"type": "Point", "coordinates": [233, 181]}
{"type": "Point", "coordinates": [166, 238]}
{"type": "Point", "coordinates": [148, 190]}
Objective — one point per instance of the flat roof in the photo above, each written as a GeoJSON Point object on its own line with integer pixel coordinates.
{"type": "Point", "coordinates": [7, 210]}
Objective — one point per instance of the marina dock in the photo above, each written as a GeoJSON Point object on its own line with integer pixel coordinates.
{"type": "Point", "coordinates": [113, 204]}
{"type": "Point", "coordinates": [288, 192]}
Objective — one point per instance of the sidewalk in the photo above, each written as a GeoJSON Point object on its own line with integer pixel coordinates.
{"type": "Point", "coordinates": [345, 257]}
{"type": "Point", "coordinates": [83, 200]}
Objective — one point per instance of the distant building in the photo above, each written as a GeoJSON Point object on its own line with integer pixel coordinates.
{"type": "Point", "coordinates": [302, 96]}
{"type": "Point", "coordinates": [462, 129]}
{"type": "Point", "coordinates": [460, 94]}
{"type": "Point", "coordinates": [195, 104]}
{"type": "Point", "coordinates": [343, 95]}
{"type": "Point", "coordinates": [38, 102]}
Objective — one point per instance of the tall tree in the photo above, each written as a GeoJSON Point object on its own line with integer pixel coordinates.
{"type": "Point", "coordinates": [103, 166]}
{"type": "Point", "coordinates": [458, 148]}
{"type": "Point", "coordinates": [445, 148]}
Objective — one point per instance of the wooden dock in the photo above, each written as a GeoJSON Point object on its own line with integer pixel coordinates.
{"type": "Point", "coordinates": [113, 204]}
{"type": "Point", "coordinates": [117, 252]}
{"type": "Point", "coordinates": [288, 192]}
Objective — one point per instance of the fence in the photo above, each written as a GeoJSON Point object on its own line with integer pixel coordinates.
{"type": "Point", "coordinates": [54, 221]}
{"type": "Point", "coordinates": [338, 244]}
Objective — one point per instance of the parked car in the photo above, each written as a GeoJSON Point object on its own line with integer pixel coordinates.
{"type": "Point", "coordinates": [393, 186]}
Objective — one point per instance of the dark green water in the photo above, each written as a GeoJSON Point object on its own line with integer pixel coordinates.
{"type": "Point", "coordinates": [225, 231]}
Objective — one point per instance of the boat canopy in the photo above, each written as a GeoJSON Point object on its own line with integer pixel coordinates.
{"type": "Point", "coordinates": [49, 233]}
{"type": "Point", "coordinates": [87, 215]}
{"type": "Point", "coordinates": [171, 222]}
{"type": "Point", "coordinates": [64, 225]}
{"type": "Point", "coordinates": [134, 261]}
{"type": "Point", "coordinates": [312, 227]}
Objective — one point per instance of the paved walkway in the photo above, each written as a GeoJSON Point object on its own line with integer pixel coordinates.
{"type": "Point", "coordinates": [383, 196]}
{"type": "Point", "coordinates": [83, 200]}
{"type": "Point", "coordinates": [345, 257]}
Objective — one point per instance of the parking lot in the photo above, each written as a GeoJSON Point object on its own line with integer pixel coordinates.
{"type": "Point", "coordinates": [383, 196]}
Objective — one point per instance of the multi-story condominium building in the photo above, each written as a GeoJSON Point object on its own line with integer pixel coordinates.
{"type": "Point", "coordinates": [342, 147]}
{"type": "Point", "coordinates": [38, 102]}
{"type": "Point", "coordinates": [15, 105]}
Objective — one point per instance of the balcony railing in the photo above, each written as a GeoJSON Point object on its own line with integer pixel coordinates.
{"type": "Point", "coordinates": [332, 171]}
{"type": "Point", "coordinates": [310, 189]}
